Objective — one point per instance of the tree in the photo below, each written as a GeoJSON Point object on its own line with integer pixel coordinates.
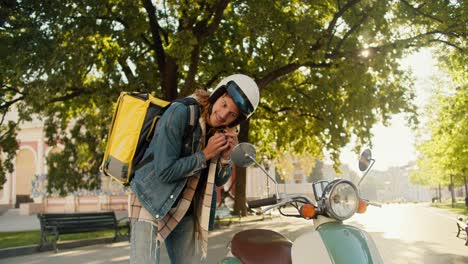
{"type": "Point", "coordinates": [326, 69]}
{"type": "Point", "coordinates": [287, 163]}
{"type": "Point", "coordinates": [443, 156]}
{"type": "Point", "coordinates": [285, 166]}
{"type": "Point", "coordinates": [8, 145]}
{"type": "Point", "coordinates": [316, 174]}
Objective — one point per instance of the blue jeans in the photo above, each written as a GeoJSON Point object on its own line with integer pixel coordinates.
{"type": "Point", "coordinates": [180, 244]}
{"type": "Point", "coordinates": [144, 248]}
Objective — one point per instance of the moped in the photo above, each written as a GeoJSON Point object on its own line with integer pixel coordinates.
{"type": "Point", "coordinates": [329, 241]}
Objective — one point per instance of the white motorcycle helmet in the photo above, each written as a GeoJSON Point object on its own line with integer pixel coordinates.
{"type": "Point", "coordinates": [244, 92]}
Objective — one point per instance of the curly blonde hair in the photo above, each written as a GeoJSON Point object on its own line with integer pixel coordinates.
{"type": "Point", "coordinates": [203, 99]}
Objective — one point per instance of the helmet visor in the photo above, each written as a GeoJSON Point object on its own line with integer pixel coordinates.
{"type": "Point", "coordinates": [241, 100]}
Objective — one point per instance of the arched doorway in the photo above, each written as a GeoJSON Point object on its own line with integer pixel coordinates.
{"type": "Point", "coordinates": [25, 169]}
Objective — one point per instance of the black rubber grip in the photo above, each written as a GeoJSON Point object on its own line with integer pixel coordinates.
{"type": "Point", "coordinates": [262, 202]}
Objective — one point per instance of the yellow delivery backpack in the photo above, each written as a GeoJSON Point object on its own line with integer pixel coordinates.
{"type": "Point", "coordinates": [132, 129]}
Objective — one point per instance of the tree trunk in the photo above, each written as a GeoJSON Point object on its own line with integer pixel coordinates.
{"type": "Point", "coordinates": [452, 191]}
{"type": "Point", "coordinates": [440, 193]}
{"type": "Point", "coordinates": [169, 79]}
{"type": "Point", "coordinates": [466, 191]}
{"type": "Point", "coordinates": [240, 207]}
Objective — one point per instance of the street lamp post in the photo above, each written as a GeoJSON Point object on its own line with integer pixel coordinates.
{"type": "Point", "coordinates": [266, 164]}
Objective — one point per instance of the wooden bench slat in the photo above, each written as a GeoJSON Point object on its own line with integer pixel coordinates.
{"type": "Point", "coordinates": [90, 225]}
{"type": "Point", "coordinates": [81, 230]}
{"type": "Point", "coordinates": [83, 221]}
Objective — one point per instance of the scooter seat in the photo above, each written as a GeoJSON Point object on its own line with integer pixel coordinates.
{"type": "Point", "coordinates": [261, 246]}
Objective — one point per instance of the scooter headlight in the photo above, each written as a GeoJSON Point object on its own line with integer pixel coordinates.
{"type": "Point", "coordinates": [341, 199]}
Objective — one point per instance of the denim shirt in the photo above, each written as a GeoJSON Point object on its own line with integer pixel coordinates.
{"type": "Point", "coordinates": [158, 183]}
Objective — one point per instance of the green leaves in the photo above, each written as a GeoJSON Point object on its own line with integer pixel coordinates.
{"type": "Point", "coordinates": [8, 146]}
{"type": "Point", "coordinates": [445, 152]}
{"type": "Point", "coordinates": [327, 70]}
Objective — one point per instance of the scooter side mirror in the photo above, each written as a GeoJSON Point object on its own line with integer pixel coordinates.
{"type": "Point", "coordinates": [243, 154]}
{"type": "Point", "coordinates": [318, 188]}
{"type": "Point", "coordinates": [365, 163]}
{"type": "Point", "coordinates": [365, 160]}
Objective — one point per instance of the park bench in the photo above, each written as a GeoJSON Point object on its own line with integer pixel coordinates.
{"type": "Point", "coordinates": [70, 223]}
{"type": "Point", "coordinates": [462, 225]}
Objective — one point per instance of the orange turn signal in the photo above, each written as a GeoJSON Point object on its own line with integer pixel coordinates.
{"type": "Point", "coordinates": [307, 211]}
{"type": "Point", "coordinates": [362, 208]}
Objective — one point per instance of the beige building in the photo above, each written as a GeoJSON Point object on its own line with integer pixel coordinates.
{"type": "Point", "coordinates": [27, 183]}
{"type": "Point", "coordinates": [29, 163]}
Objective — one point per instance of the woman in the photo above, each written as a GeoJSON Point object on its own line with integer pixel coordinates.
{"type": "Point", "coordinates": [172, 194]}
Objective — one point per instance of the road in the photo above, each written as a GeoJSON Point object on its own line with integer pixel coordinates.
{"type": "Point", "coordinates": [406, 233]}
{"type": "Point", "coordinates": [410, 233]}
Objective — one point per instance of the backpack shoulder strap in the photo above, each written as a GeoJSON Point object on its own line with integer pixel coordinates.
{"type": "Point", "coordinates": [193, 109]}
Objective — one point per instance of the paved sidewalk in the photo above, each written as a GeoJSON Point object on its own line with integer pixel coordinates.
{"type": "Point", "coordinates": [11, 220]}
{"type": "Point", "coordinates": [119, 252]}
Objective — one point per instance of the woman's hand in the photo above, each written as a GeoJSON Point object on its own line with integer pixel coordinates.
{"type": "Point", "coordinates": [232, 141]}
{"type": "Point", "coordinates": [216, 144]}
{"type": "Point", "coordinates": [221, 143]}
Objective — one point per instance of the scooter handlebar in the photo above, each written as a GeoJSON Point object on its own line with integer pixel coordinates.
{"type": "Point", "coordinates": [262, 202]}
{"type": "Point", "coordinates": [375, 204]}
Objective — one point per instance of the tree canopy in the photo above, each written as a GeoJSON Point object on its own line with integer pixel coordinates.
{"type": "Point", "coordinates": [445, 151]}
{"type": "Point", "coordinates": [326, 69]}
{"type": "Point", "coordinates": [443, 148]}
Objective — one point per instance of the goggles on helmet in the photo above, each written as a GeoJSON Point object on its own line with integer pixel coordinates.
{"type": "Point", "coordinates": [241, 100]}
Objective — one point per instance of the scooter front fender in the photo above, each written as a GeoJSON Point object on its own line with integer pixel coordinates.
{"type": "Point", "coordinates": [335, 243]}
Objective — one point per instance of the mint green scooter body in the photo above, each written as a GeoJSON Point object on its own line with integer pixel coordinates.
{"type": "Point", "coordinates": [348, 244]}
{"type": "Point", "coordinates": [335, 243]}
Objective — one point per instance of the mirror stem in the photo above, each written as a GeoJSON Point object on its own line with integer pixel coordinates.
{"type": "Point", "coordinates": [268, 175]}
{"type": "Point", "coordinates": [365, 173]}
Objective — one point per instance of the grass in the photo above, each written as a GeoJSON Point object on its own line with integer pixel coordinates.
{"type": "Point", "coordinates": [459, 208]}
{"type": "Point", "coordinates": [27, 238]}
